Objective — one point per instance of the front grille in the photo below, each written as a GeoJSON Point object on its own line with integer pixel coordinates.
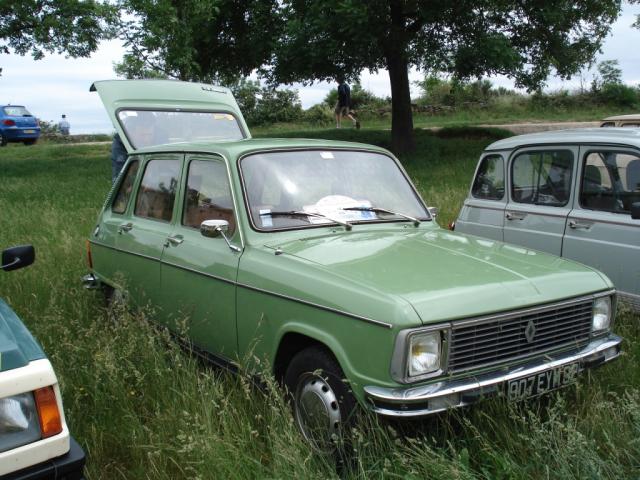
{"type": "Point", "coordinates": [500, 340]}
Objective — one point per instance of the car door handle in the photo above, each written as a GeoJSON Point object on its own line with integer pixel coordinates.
{"type": "Point", "coordinates": [515, 215]}
{"type": "Point", "coordinates": [174, 240]}
{"type": "Point", "coordinates": [576, 225]}
{"type": "Point", "coordinates": [125, 227]}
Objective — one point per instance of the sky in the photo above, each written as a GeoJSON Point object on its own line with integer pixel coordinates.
{"type": "Point", "coordinates": [57, 85]}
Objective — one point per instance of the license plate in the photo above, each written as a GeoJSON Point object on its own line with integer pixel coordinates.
{"type": "Point", "coordinates": [29, 131]}
{"type": "Point", "coordinates": [542, 382]}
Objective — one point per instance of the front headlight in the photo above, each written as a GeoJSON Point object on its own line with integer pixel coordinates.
{"type": "Point", "coordinates": [425, 353]}
{"type": "Point", "coordinates": [601, 314]}
{"type": "Point", "coordinates": [19, 422]}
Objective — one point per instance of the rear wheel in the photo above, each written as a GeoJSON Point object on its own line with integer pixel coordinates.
{"type": "Point", "coordinates": [323, 404]}
{"type": "Point", "coordinates": [3, 140]}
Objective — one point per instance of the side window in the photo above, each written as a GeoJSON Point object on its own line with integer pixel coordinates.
{"type": "Point", "coordinates": [608, 124]}
{"type": "Point", "coordinates": [631, 125]}
{"type": "Point", "coordinates": [121, 199]}
{"type": "Point", "coordinates": [542, 178]}
{"type": "Point", "coordinates": [157, 191]}
{"type": "Point", "coordinates": [610, 181]}
{"type": "Point", "coordinates": [208, 196]}
{"type": "Point", "coordinates": [489, 181]}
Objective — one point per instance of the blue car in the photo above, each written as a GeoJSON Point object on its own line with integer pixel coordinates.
{"type": "Point", "coordinates": [18, 125]}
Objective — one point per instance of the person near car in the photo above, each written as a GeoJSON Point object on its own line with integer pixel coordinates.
{"type": "Point", "coordinates": [343, 104]}
{"type": "Point", "coordinates": [118, 156]}
{"type": "Point", "coordinates": [64, 126]}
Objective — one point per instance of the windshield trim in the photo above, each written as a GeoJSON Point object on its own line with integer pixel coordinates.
{"type": "Point", "coordinates": [255, 228]}
{"type": "Point", "coordinates": [177, 109]}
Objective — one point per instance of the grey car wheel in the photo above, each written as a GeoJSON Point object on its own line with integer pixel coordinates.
{"type": "Point", "coordinates": [322, 402]}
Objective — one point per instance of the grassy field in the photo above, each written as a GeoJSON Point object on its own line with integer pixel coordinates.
{"type": "Point", "coordinates": [144, 409]}
{"type": "Point", "coordinates": [497, 115]}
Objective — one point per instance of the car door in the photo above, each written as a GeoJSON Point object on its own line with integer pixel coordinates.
{"type": "Point", "coordinates": [199, 273]}
{"type": "Point", "coordinates": [142, 235]}
{"type": "Point", "coordinates": [483, 211]}
{"type": "Point", "coordinates": [116, 214]}
{"type": "Point", "coordinates": [600, 231]}
{"type": "Point", "coordinates": [540, 196]}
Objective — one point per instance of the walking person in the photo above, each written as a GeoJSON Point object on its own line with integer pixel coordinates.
{"type": "Point", "coordinates": [64, 126]}
{"type": "Point", "coordinates": [344, 103]}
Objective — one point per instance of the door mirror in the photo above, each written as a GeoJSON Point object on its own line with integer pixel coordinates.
{"type": "Point", "coordinates": [217, 228]}
{"type": "Point", "coordinates": [18, 257]}
{"type": "Point", "coordinates": [635, 211]}
{"type": "Point", "coordinates": [213, 228]}
{"type": "Point", "coordinates": [433, 211]}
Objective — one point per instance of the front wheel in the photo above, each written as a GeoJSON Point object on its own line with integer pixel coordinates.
{"type": "Point", "coordinates": [323, 404]}
{"type": "Point", "coordinates": [30, 142]}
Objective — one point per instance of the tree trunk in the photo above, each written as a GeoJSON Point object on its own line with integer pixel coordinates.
{"type": "Point", "coordinates": [401, 115]}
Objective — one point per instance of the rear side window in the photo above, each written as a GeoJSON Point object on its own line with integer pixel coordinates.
{"type": "Point", "coordinates": [631, 125]}
{"type": "Point", "coordinates": [542, 178]}
{"type": "Point", "coordinates": [157, 192]}
{"type": "Point", "coordinates": [121, 200]}
{"type": "Point", "coordinates": [208, 196]}
{"type": "Point", "coordinates": [489, 181]}
{"type": "Point", "coordinates": [610, 181]}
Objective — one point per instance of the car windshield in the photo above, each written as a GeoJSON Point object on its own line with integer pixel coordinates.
{"type": "Point", "coordinates": [333, 186]}
{"type": "Point", "coordinates": [145, 128]}
{"type": "Point", "coordinates": [16, 111]}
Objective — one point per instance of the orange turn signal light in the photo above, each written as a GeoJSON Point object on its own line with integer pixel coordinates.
{"type": "Point", "coordinates": [50, 420]}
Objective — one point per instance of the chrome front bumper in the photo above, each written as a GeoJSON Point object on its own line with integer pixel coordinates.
{"type": "Point", "coordinates": [436, 397]}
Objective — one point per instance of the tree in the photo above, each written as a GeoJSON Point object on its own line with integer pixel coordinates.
{"type": "Point", "coordinates": [199, 40]}
{"type": "Point", "coordinates": [74, 27]}
{"type": "Point", "coordinates": [524, 40]}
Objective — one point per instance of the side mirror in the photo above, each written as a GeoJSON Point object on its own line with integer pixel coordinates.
{"type": "Point", "coordinates": [217, 228]}
{"type": "Point", "coordinates": [635, 211]}
{"type": "Point", "coordinates": [433, 211]}
{"type": "Point", "coordinates": [18, 257]}
{"type": "Point", "coordinates": [213, 228]}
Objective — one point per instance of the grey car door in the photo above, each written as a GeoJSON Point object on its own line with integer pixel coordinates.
{"type": "Point", "coordinates": [600, 231]}
{"type": "Point", "coordinates": [483, 211]}
{"type": "Point", "coordinates": [540, 196]}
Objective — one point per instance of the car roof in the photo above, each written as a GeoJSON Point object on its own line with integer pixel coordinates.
{"type": "Point", "coordinates": [620, 136]}
{"type": "Point", "coordinates": [235, 149]}
{"type": "Point", "coordinates": [632, 116]}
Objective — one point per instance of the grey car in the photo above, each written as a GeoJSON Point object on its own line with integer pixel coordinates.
{"type": "Point", "coordinates": [573, 193]}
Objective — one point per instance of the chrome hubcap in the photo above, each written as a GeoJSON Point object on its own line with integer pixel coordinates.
{"type": "Point", "coordinates": [317, 411]}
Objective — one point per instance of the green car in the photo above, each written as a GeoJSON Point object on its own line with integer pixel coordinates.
{"type": "Point", "coordinates": [321, 258]}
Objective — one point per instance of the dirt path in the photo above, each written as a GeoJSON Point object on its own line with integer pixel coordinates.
{"type": "Point", "coordinates": [519, 128]}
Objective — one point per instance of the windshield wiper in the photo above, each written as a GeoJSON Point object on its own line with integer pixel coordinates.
{"type": "Point", "coordinates": [415, 221]}
{"type": "Point", "coordinates": [298, 213]}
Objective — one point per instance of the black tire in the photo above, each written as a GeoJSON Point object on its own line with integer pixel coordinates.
{"type": "Point", "coordinates": [28, 143]}
{"type": "Point", "coordinates": [3, 141]}
{"type": "Point", "coordinates": [322, 401]}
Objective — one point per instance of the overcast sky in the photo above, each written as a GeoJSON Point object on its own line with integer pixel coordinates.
{"type": "Point", "coordinates": [57, 85]}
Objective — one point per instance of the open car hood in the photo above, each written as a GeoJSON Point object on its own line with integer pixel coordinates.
{"type": "Point", "coordinates": [165, 96]}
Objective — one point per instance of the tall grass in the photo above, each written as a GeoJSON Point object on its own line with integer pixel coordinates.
{"type": "Point", "coordinates": [143, 408]}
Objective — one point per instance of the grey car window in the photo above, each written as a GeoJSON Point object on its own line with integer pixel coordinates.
{"type": "Point", "coordinates": [126, 187]}
{"type": "Point", "coordinates": [489, 181]}
{"type": "Point", "coordinates": [157, 190]}
{"type": "Point", "coordinates": [208, 196]}
{"type": "Point", "coordinates": [610, 181]}
{"type": "Point", "coordinates": [542, 178]}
